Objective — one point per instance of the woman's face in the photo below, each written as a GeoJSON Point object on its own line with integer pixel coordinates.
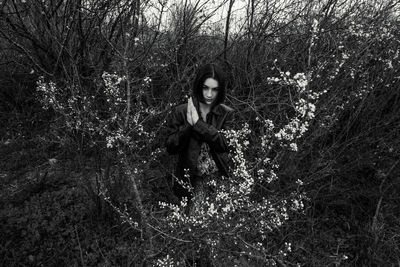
{"type": "Point", "coordinates": [210, 91]}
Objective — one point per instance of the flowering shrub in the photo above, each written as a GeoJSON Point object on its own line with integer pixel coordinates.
{"type": "Point", "coordinates": [304, 107]}
{"type": "Point", "coordinates": [230, 210]}
{"type": "Point", "coordinates": [234, 220]}
{"type": "Point", "coordinates": [346, 62]}
{"type": "Point", "coordinates": [234, 205]}
{"type": "Point", "coordinates": [82, 112]}
{"type": "Point", "coordinates": [319, 122]}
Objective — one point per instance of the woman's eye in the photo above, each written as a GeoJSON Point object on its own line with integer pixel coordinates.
{"type": "Point", "coordinates": [214, 89]}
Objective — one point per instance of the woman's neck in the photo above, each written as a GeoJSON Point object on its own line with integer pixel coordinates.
{"type": "Point", "coordinates": [204, 109]}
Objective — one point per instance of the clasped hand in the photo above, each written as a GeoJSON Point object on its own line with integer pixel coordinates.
{"type": "Point", "coordinates": [192, 115]}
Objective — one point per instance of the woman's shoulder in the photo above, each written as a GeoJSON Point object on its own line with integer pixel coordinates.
{"type": "Point", "coordinates": [180, 107]}
{"type": "Point", "coordinates": [225, 108]}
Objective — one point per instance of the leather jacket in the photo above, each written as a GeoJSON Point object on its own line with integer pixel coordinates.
{"type": "Point", "coordinates": [186, 140]}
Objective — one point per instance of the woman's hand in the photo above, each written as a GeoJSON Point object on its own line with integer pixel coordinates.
{"type": "Point", "coordinates": [192, 115]}
{"type": "Point", "coordinates": [189, 113]}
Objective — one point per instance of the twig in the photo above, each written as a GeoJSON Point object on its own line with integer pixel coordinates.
{"type": "Point", "coordinates": [375, 219]}
{"type": "Point", "coordinates": [167, 235]}
{"type": "Point", "coordinates": [80, 248]}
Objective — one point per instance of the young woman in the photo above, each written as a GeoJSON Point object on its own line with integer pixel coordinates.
{"type": "Point", "coordinates": [193, 132]}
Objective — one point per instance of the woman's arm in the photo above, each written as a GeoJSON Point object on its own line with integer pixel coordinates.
{"type": "Point", "coordinates": [212, 136]}
{"type": "Point", "coordinates": [178, 132]}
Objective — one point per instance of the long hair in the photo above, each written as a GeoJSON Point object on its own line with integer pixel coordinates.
{"type": "Point", "coordinates": [205, 72]}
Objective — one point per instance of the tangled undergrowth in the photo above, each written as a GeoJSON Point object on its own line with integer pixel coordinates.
{"type": "Point", "coordinates": [85, 180]}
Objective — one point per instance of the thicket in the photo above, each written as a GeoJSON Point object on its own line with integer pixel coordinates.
{"type": "Point", "coordinates": [87, 87]}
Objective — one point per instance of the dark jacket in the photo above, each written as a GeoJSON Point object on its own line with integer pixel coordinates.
{"type": "Point", "coordinates": [186, 140]}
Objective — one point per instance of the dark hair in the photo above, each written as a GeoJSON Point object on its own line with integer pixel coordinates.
{"type": "Point", "coordinates": [205, 72]}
